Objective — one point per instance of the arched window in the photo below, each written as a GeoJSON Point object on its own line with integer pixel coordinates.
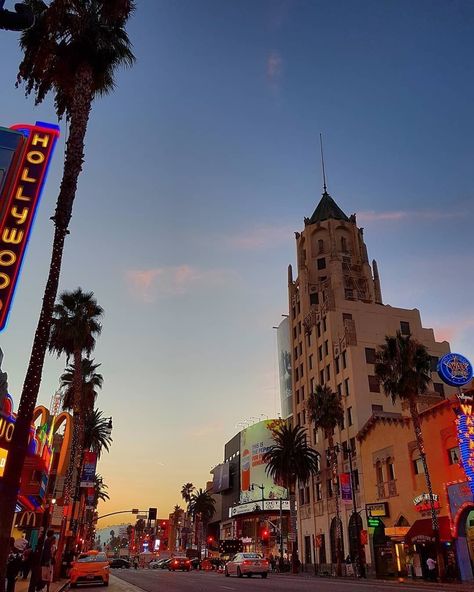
{"type": "Point", "coordinates": [320, 246]}
{"type": "Point", "coordinates": [390, 469]}
{"type": "Point", "coordinates": [355, 527]}
{"type": "Point", "coordinates": [379, 472]}
{"type": "Point", "coordinates": [343, 244]}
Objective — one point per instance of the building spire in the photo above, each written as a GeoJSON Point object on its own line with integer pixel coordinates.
{"type": "Point", "coordinates": [322, 162]}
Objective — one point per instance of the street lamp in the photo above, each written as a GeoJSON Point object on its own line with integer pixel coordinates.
{"type": "Point", "coordinates": [262, 489]}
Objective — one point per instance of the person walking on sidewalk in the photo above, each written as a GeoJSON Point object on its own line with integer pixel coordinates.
{"type": "Point", "coordinates": [431, 565]}
{"type": "Point", "coordinates": [13, 566]}
{"type": "Point", "coordinates": [47, 559]}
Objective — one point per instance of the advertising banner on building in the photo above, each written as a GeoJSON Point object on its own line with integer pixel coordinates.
{"type": "Point", "coordinates": [88, 469]}
{"type": "Point", "coordinates": [284, 367]}
{"type": "Point", "coordinates": [346, 489]}
{"type": "Point", "coordinates": [255, 484]}
{"type": "Point", "coordinates": [221, 480]}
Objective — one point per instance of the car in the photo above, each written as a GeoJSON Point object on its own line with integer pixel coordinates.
{"type": "Point", "coordinates": [179, 563]}
{"type": "Point", "coordinates": [156, 563]}
{"type": "Point", "coordinates": [195, 563]}
{"type": "Point", "coordinates": [120, 563]}
{"type": "Point", "coordinates": [165, 564]}
{"type": "Point", "coordinates": [90, 568]}
{"type": "Point", "coordinates": [247, 564]}
{"type": "Point", "coordinates": [212, 564]}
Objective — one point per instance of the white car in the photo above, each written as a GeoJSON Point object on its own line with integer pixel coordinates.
{"type": "Point", "coordinates": [247, 564]}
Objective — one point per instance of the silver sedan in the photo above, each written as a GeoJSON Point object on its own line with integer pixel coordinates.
{"type": "Point", "coordinates": [247, 564]}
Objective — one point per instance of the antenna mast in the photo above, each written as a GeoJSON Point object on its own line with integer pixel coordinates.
{"type": "Point", "coordinates": [322, 162]}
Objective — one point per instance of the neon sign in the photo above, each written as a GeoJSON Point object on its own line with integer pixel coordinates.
{"type": "Point", "coordinates": [26, 175]}
{"type": "Point", "coordinates": [455, 369]}
{"type": "Point", "coordinates": [3, 460]}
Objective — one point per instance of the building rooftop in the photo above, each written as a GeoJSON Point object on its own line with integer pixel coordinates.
{"type": "Point", "coordinates": [327, 209]}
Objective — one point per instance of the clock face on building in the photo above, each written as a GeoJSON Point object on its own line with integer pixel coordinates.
{"type": "Point", "coordinates": [455, 369]}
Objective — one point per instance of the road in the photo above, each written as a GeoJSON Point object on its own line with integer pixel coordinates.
{"type": "Point", "coordinates": [165, 581]}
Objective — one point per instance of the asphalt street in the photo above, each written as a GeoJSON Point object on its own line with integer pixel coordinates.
{"type": "Point", "coordinates": [165, 581]}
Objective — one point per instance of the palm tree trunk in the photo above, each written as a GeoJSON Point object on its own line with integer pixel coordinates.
{"type": "Point", "coordinates": [333, 454]}
{"type": "Point", "coordinates": [72, 168]}
{"type": "Point", "coordinates": [421, 448]}
{"type": "Point", "coordinates": [292, 529]}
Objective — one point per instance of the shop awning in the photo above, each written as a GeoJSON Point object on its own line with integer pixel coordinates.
{"type": "Point", "coordinates": [422, 530]}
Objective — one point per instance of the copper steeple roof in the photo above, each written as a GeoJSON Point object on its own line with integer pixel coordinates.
{"type": "Point", "coordinates": [327, 209]}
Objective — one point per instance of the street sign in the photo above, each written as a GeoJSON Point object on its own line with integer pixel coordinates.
{"type": "Point", "coordinates": [373, 522]}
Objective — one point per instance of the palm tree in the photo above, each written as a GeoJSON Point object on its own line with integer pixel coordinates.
{"type": "Point", "coordinates": [403, 366]}
{"type": "Point", "coordinates": [73, 49]}
{"type": "Point", "coordinates": [91, 381]}
{"type": "Point", "coordinates": [186, 492]}
{"type": "Point", "coordinates": [201, 507]}
{"type": "Point", "coordinates": [100, 490]}
{"type": "Point", "coordinates": [74, 328]}
{"type": "Point", "coordinates": [326, 412]}
{"type": "Point", "coordinates": [291, 459]}
{"type": "Point", "coordinates": [97, 432]}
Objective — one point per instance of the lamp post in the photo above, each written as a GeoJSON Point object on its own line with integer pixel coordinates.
{"type": "Point", "coordinates": [359, 571]}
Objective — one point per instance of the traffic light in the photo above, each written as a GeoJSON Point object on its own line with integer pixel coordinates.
{"type": "Point", "coordinates": [152, 513]}
{"type": "Point", "coordinates": [264, 535]}
{"type": "Point", "coordinates": [19, 20]}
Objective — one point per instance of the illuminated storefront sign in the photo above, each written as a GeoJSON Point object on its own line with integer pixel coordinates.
{"type": "Point", "coordinates": [89, 464]}
{"type": "Point", "coordinates": [268, 506]}
{"type": "Point", "coordinates": [19, 201]}
{"type": "Point", "coordinates": [3, 460]}
{"type": "Point", "coordinates": [455, 369]}
{"type": "Point", "coordinates": [379, 509]}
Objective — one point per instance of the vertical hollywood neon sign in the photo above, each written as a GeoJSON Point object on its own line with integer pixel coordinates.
{"type": "Point", "coordinates": [21, 204]}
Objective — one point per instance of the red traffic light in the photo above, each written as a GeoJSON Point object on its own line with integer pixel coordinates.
{"type": "Point", "coordinates": [265, 533]}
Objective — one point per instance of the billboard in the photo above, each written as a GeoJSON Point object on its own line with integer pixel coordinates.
{"type": "Point", "coordinates": [221, 480]}
{"type": "Point", "coordinates": [89, 464]}
{"type": "Point", "coordinates": [284, 367]}
{"type": "Point", "coordinates": [254, 442]}
{"type": "Point", "coordinates": [25, 154]}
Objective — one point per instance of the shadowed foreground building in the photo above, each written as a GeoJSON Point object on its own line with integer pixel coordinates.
{"type": "Point", "coordinates": [337, 320]}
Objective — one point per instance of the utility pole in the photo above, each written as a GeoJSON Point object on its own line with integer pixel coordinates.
{"type": "Point", "coordinates": [358, 560]}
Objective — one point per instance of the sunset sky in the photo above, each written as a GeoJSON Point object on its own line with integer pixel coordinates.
{"type": "Point", "coordinates": [199, 169]}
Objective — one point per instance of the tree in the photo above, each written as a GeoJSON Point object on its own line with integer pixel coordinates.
{"type": "Point", "coordinates": [186, 492]}
{"type": "Point", "coordinates": [100, 490]}
{"type": "Point", "coordinates": [97, 432]}
{"type": "Point", "coordinates": [201, 507]}
{"type": "Point", "coordinates": [91, 381]}
{"type": "Point", "coordinates": [289, 460]}
{"type": "Point", "coordinates": [73, 49]}
{"type": "Point", "coordinates": [403, 366]}
{"type": "Point", "coordinates": [326, 413]}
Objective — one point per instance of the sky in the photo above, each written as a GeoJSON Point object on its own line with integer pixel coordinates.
{"type": "Point", "coordinates": [198, 171]}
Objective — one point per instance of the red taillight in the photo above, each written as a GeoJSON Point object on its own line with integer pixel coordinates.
{"type": "Point", "coordinates": [247, 562]}
{"type": "Point", "coordinates": [188, 563]}
{"type": "Point", "coordinates": [175, 563]}
{"type": "Point", "coordinates": [265, 562]}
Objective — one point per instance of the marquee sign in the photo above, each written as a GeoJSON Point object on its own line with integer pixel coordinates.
{"type": "Point", "coordinates": [23, 167]}
{"type": "Point", "coordinates": [422, 502]}
{"type": "Point", "coordinates": [455, 370]}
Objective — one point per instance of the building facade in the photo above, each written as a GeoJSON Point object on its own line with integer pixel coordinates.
{"type": "Point", "coordinates": [337, 320]}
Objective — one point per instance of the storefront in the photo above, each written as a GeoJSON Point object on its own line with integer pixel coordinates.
{"type": "Point", "coordinates": [422, 545]}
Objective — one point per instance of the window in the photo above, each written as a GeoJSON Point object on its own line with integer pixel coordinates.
{"type": "Point", "coordinates": [302, 393]}
{"type": "Point", "coordinates": [320, 352]}
{"type": "Point", "coordinates": [346, 387]}
{"type": "Point", "coordinates": [300, 348]}
{"type": "Point", "coordinates": [379, 472]}
{"type": "Point", "coordinates": [418, 467]}
{"type": "Point", "coordinates": [355, 479]}
{"type": "Point", "coordinates": [326, 348]}
{"type": "Point", "coordinates": [296, 353]}
{"type": "Point", "coordinates": [345, 450]}
{"type": "Point", "coordinates": [319, 491]}
{"type": "Point", "coordinates": [313, 298]}
{"type": "Point", "coordinates": [318, 464]}
{"type": "Point", "coordinates": [322, 263]}
{"type": "Point", "coordinates": [374, 384]}
{"type": "Point", "coordinates": [301, 497]}
{"type": "Point", "coordinates": [293, 312]}
{"type": "Point", "coordinates": [349, 416]}
{"type": "Point", "coordinates": [337, 364]}
{"type": "Point", "coordinates": [304, 417]}
{"type": "Point", "coordinates": [325, 327]}
{"type": "Point", "coordinates": [346, 316]}
{"type": "Point", "coordinates": [328, 373]}
{"type": "Point", "coordinates": [297, 396]}
{"type": "Point", "coordinates": [352, 446]}
{"type": "Point", "coordinates": [299, 327]}
{"type": "Point", "coordinates": [318, 328]}
{"type": "Point", "coordinates": [344, 359]}
{"type": "Point", "coordinates": [390, 469]}
{"type": "Point", "coordinates": [294, 332]}
{"type": "Point", "coordinates": [320, 245]}
{"type": "Point", "coordinates": [310, 362]}
{"type": "Point", "coordinates": [316, 437]}
{"type": "Point", "coordinates": [298, 419]}
{"type": "Point", "coordinates": [453, 455]}
{"type": "Point", "coordinates": [343, 244]}
{"type": "Point", "coordinates": [339, 390]}
{"type": "Point", "coordinates": [298, 307]}
{"type": "Point", "coordinates": [438, 387]}
{"type": "Point", "coordinates": [308, 338]}
{"type": "Point", "coordinates": [311, 385]}
{"type": "Point", "coordinates": [329, 487]}
{"type": "Point", "coordinates": [342, 426]}
{"type": "Point", "coordinates": [301, 371]}
{"type": "Point", "coordinates": [405, 328]}
{"type": "Point", "coordinates": [434, 363]}
{"type": "Point", "coordinates": [377, 408]}
{"type": "Point", "coordinates": [370, 355]}
{"type": "Point", "coordinates": [321, 377]}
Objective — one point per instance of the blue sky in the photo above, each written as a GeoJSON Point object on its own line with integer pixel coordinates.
{"type": "Point", "coordinates": [201, 166]}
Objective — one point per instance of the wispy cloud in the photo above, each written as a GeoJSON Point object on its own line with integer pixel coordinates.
{"type": "Point", "coordinates": [453, 331]}
{"type": "Point", "coordinates": [151, 284]}
{"type": "Point", "coordinates": [274, 68]}
{"type": "Point", "coordinates": [260, 237]}
{"type": "Point", "coordinates": [415, 215]}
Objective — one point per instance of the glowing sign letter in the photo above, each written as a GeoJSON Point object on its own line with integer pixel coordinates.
{"type": "Point", "coordinates": [12, 235]}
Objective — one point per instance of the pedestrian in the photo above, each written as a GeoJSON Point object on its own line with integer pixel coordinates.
{"type": "Point", "coordinates": [47, 559]}
{"type": "Point", "coordinates": [13, 566]}
{"type": "Point", "coordinates": [26, 562]}
{"type": "Point", "coordinates": [431, 565]}
{"type": "Point", "coordinates": [135, 563]}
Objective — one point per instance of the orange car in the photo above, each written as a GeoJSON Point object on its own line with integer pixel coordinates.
{"type": "Point", "coordinates": [90, 568]}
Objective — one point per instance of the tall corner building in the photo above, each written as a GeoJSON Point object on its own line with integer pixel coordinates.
{"type": "Point", "coordinates": [337, 319]}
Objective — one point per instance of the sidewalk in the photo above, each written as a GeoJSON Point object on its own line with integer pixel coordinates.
{"type": "Point", "coordinates": [22, 585]}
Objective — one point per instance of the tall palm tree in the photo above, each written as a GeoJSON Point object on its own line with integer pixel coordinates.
{"type": "Point", "coordinates": [73, 50]}
{"type": "Point", "coordinates": [403, 366]}
{"type": "Point", "coordinates": [97, 432]}
{"type": "Point", "coordinates": [289, 460]}
{"type": "Point", "coordinates": [74, 328]}
{"type": "Point", "coordinates": [326, 413]}
{"type": "Point", "coordinates": [91, 381]}
{"type": "Point", "coordinates": [201, 507]}
{"type": "Point", "coordinates": [186, 492]}
{"type": "Point", "coordinates": [100, 490]}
